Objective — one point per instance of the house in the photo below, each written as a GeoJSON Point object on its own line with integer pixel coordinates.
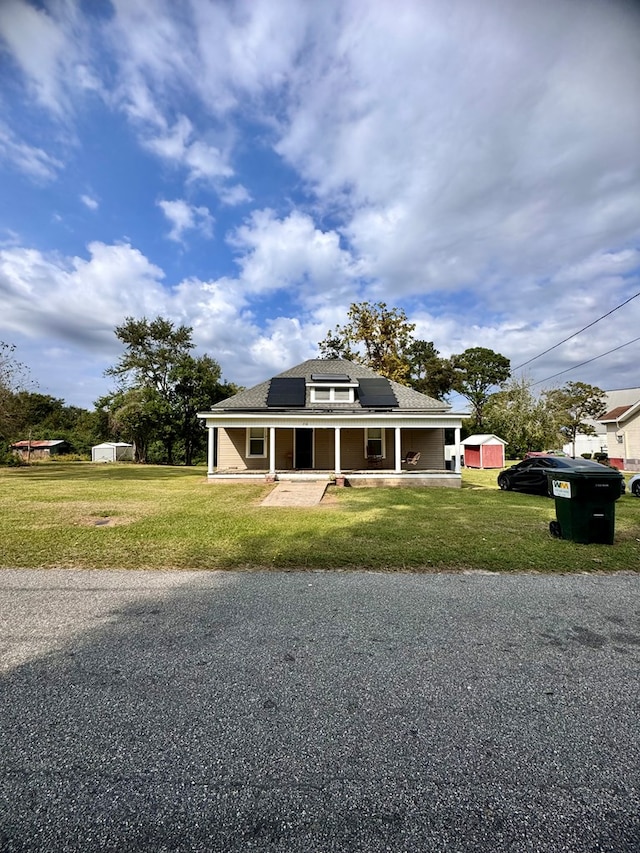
{"type": "Point", "coordinates": [332, 417]}
{"type": "Point", "coordinates": [37, 449]}
{"type": "Point", "coordinates": [598, 443]}
{"type": "Point", "coordinates": [112, 451]}
{"type": "Point", "coordinates": [484, 451]}
{"type": "Point", "coordinates": [622, 424]}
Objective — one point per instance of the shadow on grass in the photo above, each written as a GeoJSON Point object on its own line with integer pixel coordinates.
{"type": "Point", "coordinates": [112, 472]}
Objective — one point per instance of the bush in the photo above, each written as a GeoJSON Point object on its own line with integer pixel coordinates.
{"type": "Point", "coordinates": [586, 455]}
{"type": "Point", "coordinates": [11, 459]}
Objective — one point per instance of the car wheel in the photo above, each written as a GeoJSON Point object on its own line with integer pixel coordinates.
{"type": "Point", "coordinates": [503, 483]}
{"type": "Point", "coordinates": [636, 489]}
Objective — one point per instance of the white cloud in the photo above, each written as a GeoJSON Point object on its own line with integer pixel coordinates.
{"type": "Point", "coordinates": [89, 202]}
{"type": "Point", "coordinates": [186, 217]}
{"type": "Point", "coordinates": [291, 253]}
{"type": "Point", "coordinates": [32, 161]}
{"type": "Point", "coordinates": [48, 45]}
{"type": "Point", "coordinates": [202, 161]}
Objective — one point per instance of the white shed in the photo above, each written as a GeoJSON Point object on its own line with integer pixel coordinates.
{"type": "Point", "coordinates": [112, 451]}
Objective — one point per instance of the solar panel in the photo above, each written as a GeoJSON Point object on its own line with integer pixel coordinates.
{"type": "Point", "coordinates": [287, 391]}
{"type": "Point", "coordinates": [376, 394]}
{"type": "Point", "coordinates": [330, 377]}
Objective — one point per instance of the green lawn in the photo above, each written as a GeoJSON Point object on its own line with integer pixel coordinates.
{"type": "Point", "coordinates": [129, 516]}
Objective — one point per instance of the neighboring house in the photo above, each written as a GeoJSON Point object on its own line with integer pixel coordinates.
{"type": "Point", "coordinates": [484, 451]}
{"type": "Point", "coordinates": [36, 449]}
{"type": "Point", "coordinates": [112, 451]}
{"type": "Point", "coordinates": [618, 443]}
{"type": "Point", "coordinates": [623, 436]}
{"type": "Point", "coordinates": [331, 416]}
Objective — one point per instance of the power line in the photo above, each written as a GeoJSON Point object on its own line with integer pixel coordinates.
{"type": "Point", "coordinates": [588, 361]}
{"type": "Point", "coordinates": [575, 334]}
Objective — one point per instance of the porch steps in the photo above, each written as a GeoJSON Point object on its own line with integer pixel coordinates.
{"type": "Point", "coordinates": [289, 494]}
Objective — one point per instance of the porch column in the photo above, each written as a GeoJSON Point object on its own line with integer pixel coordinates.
{"type": "Point", "coordinates": [456, 446]}
{"type": "Point", "coordinates": [272, 450]}
{"type": "Point", "coordinates": [398, 451]}
{"type": "Point", "coordinates": [336, 439]}
{"type": "Point", "coordinates": [210, 450]}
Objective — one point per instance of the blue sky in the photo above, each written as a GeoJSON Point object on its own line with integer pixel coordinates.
{"type": "Point", "coordinates": [251, 168]}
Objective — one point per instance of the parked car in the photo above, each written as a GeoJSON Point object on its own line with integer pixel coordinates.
{"type": "Point", "coordinates": [634, 485]}
{"type": "Point", "coordinates": [530, 475]}
{"type": "Point", "coordinates": [533, 453]}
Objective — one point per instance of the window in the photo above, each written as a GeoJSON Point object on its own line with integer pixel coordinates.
{"type": "Point", "coordinates": [374, 442]}
{"type": "Point", "coordinates": [257, 441]}
{"type": "Point", "coordinates": [331, 394]}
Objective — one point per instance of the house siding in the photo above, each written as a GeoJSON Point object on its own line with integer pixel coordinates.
{"type": "Point", "coordinates": [428, 442]}
{"type": "Point", "coordinates": [627, 451]}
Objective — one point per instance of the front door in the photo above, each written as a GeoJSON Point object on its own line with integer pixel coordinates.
{"type": "Point", "coordinates": [303, 449]}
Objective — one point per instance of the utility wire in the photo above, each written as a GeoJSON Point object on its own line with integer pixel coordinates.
{"type": "Point", "coordinates": [588, 361]}
{"type": "Point", "coordinates": [575, 334]}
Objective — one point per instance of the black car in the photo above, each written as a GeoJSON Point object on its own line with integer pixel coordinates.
{"type": "Point", "coordinates": [530, 475]}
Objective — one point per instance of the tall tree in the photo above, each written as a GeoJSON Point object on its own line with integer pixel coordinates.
{"type": "Point", "coordinates": [152, 350]}
{"type": "Point", "coordinates": [572, 405]}
{"type": "Point", "coordinates": [428, 372]}
{"type": "Point", "coordinates": [476, 371]}
{"type": "Point", "coordinates": [197, 387]}
{"type": "Point", "coordinates": [13, 377]}
{"type": "Point", "coordinates": [525, 421]}
{"type": "Point", "coordinates": [162, 386]}
{"type": "Point", "coordinates": [375, 335]}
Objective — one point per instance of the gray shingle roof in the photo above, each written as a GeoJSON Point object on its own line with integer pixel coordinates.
{"type": "Point", "coordinates": [255, 399]}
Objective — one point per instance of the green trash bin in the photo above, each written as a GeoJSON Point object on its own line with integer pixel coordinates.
{"type": "Point", "coordinates": [585, 493]}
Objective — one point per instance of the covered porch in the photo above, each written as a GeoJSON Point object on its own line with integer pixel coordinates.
{"type": "Point", "coordinates": [365, 450]}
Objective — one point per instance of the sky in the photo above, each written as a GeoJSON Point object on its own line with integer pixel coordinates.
{"type": "Point", "coordinates": [250, 168]}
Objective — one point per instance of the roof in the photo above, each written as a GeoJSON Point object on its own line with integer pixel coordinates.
{"type": "Point", "coordinates": [36, 443]}
{"type": "Point", "coordinates": [620, 413]}
{"type": "Point", "coordinates": [614, 414]}
{"type": "Point", "coordinates": [485, 438]}
{"type": "Point", "coordinates": [255, 398]}
{"type": "Point", "coordinates": [113, 444]}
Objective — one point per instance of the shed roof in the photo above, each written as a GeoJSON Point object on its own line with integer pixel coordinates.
{"type": "Point", "coordinates": [39, 443]}
{"type": "Point", "coordinates": [113, 444]}
{"type": "Point", "coordinates": [484, 438]}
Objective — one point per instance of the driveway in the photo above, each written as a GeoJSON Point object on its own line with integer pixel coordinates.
{"type": "Point", "coordinates": [318, 712]}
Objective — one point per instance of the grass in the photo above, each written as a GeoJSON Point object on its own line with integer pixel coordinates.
{"type": "Point", "coordinates": [128, 516]}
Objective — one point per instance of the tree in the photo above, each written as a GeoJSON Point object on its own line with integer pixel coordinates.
{"type": "Point", "coordinates": [13, 377]}
{"type": "Point", "coordinates": [197, 386]}
{"type": "Point", "coordinates": [571, 404]}
{"type": "Point", "coordinates": [526, 422]}
{"type": "Point", "coordinates": [476, 371]}
{"type": "Point", "coordinates": [132, 417]}
{"type": "Point", "coordinates": [428, 373]}
{"type": "Point", "coordinates": [162, 387]}
{"type": "Point", "coordinates": [375, 335]}
{"type": "Point", "coordinates": [152, 350]}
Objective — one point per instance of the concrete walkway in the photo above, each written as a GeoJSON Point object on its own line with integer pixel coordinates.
{"type": "Point", "coordinates": [296, 494]}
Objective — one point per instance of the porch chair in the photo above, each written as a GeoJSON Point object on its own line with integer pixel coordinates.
{"type": "Point", "coordinates": [411, 457]}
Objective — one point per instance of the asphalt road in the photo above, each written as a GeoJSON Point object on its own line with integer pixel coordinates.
{"type": "Point", "coordinates": [319, 712]}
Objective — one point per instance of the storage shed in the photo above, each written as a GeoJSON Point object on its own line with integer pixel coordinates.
{"type": "Point", "coordinates": [484, 451]}
{"type": "Point", "coordinates": [112, 451]}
